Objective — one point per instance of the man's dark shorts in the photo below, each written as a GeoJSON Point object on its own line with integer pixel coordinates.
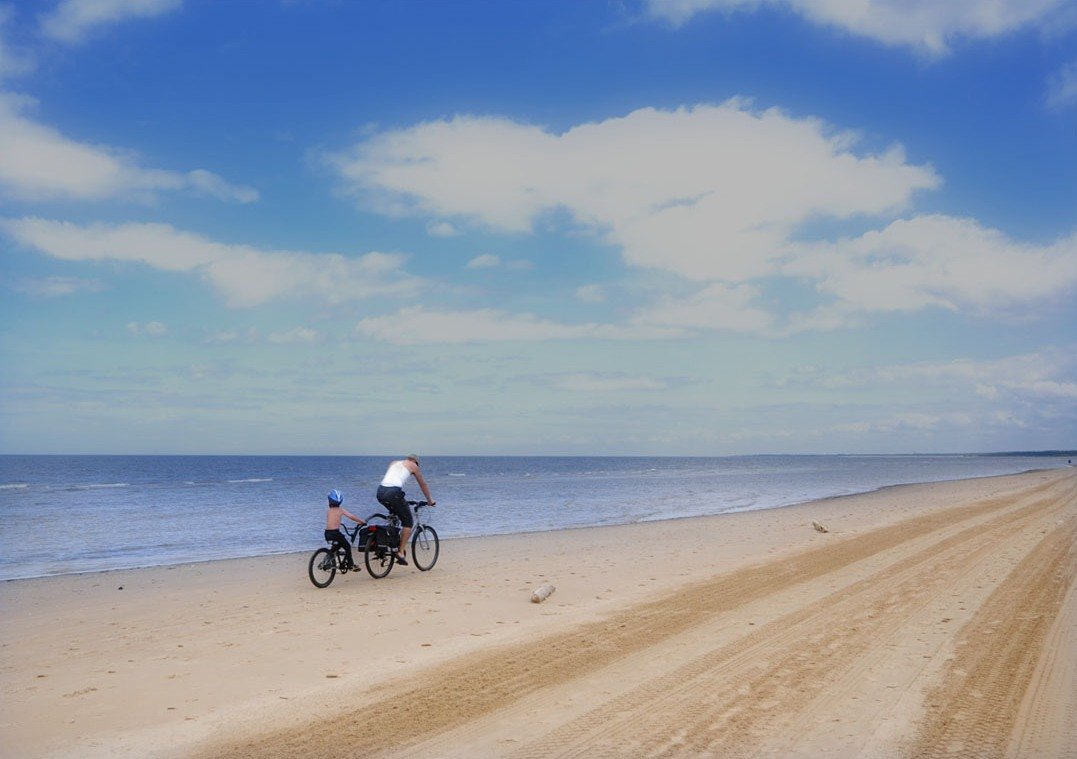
{"type": "Point", "coordinates": [393, 499]}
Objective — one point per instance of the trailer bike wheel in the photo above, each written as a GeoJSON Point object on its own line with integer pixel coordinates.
{"type": "Point", "coordinates": [322, 568]}
{"type": "Point", "coordinates": [379, 561]}
{"type": "Point", "coordinates": [425, 548]}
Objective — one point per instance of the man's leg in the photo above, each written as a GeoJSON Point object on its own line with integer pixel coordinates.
{"type": "Point", "coordinates": [403, 512]}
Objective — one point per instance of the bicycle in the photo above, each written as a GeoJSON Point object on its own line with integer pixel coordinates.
{"type": "Point", "coordinates": [326, 562]}
{"type": "Point", "coordinates": [382, 541]}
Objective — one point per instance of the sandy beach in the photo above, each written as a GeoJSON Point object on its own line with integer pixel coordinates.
{"type": "Point", "coordinates": [930, 620]}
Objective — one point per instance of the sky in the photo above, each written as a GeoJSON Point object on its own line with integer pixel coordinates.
{"type": "Point", "coordinates": [646, 227]}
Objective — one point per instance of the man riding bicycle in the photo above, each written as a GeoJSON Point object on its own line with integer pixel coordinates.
{"type": "Point", "coordinates": [391, 495]}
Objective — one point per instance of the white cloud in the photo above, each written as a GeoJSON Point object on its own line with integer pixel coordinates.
{"type": "Point", "coordinates": [929, 26]}
{"type": "Point", "coordinates": [441, 229]}
{"type": "Point", "coordinates": [824, 318]}
{"type": "Point", "coordinates": [74, 20]}
{"type": "Point", "coordinates": [591, 294]}
{"type": "Point", "coordinates": [1062, 87]}
{"type": "Point", "coordinates": [149, 329]}
{"type": "Point", "coordinates": [230, 336]}
{"type": "Point", "coordinates": [1044, 375]}
{"type": "Point", "coordinates": [296, 335]}
{"type": "Point", "coordinates": [711, 192]}
{"type": "Point", "coordinates": [1048, 375]}
{"type": "Point", "coordinates": [39, 163]}
{"type": "Point", "coordinates": [224, 337]}
{"type": "Point", "coordinates": [208, 183]}
{"type": "Point", "coordinates": [490, 261]}
{"type": "Point", "coordinates": [604, 383]}
{"type": "Point", "coordinates": [418, 325]}
{"type": "Point", "coordinates": [55, 287]}
{"type": "Point", "coordinates": [937, 261]}
{"type": "Point", "coordinates": [980, 429]}
{"type": "Point", "coordinates": [244, 275]}
{"type": "Point", "coordinates": [715, 307]}
{"type": "Point", "coordinates": [679, 12]}
{"type": "Point", "coordinates": [485, 261]}
{"type": "Point", "coordinates": [915, 421]}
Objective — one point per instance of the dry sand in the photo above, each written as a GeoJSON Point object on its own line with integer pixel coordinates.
{"type": "Point", "coordinates": [931, 620]}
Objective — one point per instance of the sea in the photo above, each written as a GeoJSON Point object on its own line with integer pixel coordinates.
{"type": "Point", "coordinates": [76, 514]}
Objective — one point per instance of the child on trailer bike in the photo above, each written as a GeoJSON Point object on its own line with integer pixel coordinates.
{"type": "Point", "coordinates": [332, 525]}
{"type": "Point", "coordinates": [391, 495]}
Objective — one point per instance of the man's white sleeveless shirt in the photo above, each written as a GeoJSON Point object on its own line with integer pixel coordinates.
{"type": "Point", "coordinates": [396, 476]}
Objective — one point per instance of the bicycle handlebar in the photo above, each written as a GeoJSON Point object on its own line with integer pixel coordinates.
{"type": "Point", "coordinates": [417, 504]}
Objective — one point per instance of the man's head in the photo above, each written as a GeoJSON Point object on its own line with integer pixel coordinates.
{"type": "Point", "coordinates": [413, 457]}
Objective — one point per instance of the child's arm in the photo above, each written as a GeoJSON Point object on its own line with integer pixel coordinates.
{"type": "Point", "coordinates": [352, 517]}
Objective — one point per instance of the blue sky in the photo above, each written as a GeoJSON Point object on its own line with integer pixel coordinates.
{"type": "Point", "coordinates": [689, 227]}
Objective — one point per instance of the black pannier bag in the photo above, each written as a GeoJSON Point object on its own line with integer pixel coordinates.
{"type": "Point", "coordinates": [384, 536]}
{"type": "Point", "coordinates": [389, 537]}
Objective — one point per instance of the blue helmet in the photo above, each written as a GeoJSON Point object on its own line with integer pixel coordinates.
{"type": "Point", "coordinates": [336, 497]}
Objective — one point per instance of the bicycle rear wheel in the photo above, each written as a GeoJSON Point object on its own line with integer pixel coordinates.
{"type": "Point", "coordinates": [425, 548]}
{"type": "Point", "coordinates": [379, 561]}
{"type": "Point", "coordinates": [322, 568]}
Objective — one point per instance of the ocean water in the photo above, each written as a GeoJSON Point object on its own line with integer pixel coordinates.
{"type": "Point", "coordinates": [68, 514]}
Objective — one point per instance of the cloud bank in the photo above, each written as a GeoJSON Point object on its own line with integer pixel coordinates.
{"type": "Point", "coordinates": [244, 275]}
{"type": "Point", "coordinates": [720, 196]}
{"type": "Point", "coordinates": [39, 163]}
{"type": "Point", "coordinates": [710, 192]}
{"type": "Point", "coordinates": [1047, 375]}
{"type": "Point", "coordinates": [57, 287]}
{"type": "Point", "coordinates": [938, 261]}
{"type": "Point", "coordinates": [418, 325]}
{"type": "Point", "coordinates": [928, 26]}
{"type": "Point", "coordinates": [72, 21]}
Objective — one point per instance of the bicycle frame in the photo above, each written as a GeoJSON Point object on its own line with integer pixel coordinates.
{"type": "Point", "coordinates": [353, 533]}
{"type": "Point", "coordinates": [394, 521]}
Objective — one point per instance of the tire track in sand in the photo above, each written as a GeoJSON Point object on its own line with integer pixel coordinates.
{"type": "Point", "coordinates": [974, 710]}
{"type": "Point", "coordinates": [1047, 723]}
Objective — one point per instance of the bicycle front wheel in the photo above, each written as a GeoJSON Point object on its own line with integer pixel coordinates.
{"type": "Point", "coordinates": [425, 548]}
{"type": "Point", "coordinates": [322, 568]}
{"type": "Point", "coordinates": [379, 561]}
